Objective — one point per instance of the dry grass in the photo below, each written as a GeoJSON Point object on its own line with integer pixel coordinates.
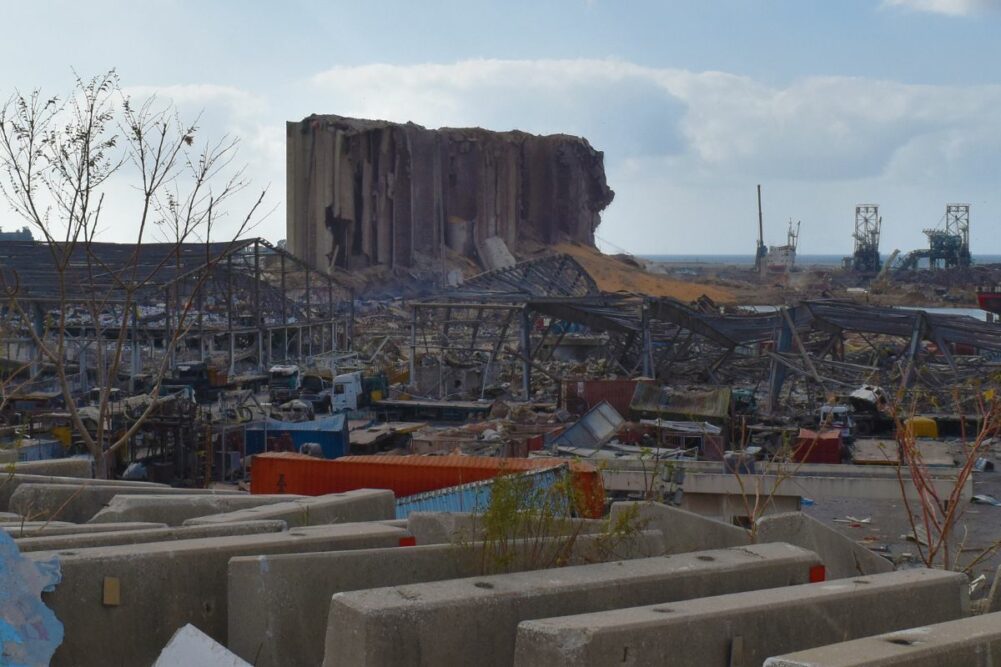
{"type": "Point", "coordinates": [613, 275]}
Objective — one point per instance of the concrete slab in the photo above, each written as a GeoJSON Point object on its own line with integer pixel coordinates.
{"type": "Point", "coordinates": [12, 482]}
{"type": "Point", "coordinates": [994, 596]}
{"type": "Point", "coordinates": [969, 641]}
{"type": "Point", "coordinates": [164, 534]}
{"type": "Point", "coordinates": [445, 527]}
{"type": "Point", "coordinates": [71, 467]}
{"type": "Point", "coordinates": [174, 510]}
{"type": "Point", "coordinates": [23, 529]}
{"type": "Point", "coordinates": [683, 531]}
{"type": "Point", "coordinates": [842, 556]}
{"type": "Point", "coordinates": [121, 604]}
{"type": "Point", "coordinates": [474, 620]}
{"type": "Point", "coordinates": [278, 605]}
{"type": "Point", "coordinates": [79, 502]}
{"type": "Point", "coordinates": [743, 629]}
{"type": "Point", "coordinates": [359, 505]}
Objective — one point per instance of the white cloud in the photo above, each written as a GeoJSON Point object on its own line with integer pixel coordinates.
{"type": "Point", "coordinates": [948, 7]}
{"type": "Point", "coordinates": [683, 149]}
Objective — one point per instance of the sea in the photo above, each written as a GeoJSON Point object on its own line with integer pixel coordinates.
{"type": "Point", "coordinates": [801, 259]}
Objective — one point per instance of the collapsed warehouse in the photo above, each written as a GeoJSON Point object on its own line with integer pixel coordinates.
{"type": "Point", "coordinates": [539, 388]}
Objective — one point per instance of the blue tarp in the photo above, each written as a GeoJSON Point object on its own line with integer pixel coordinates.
{"type": "Point", "coordinates": [331, 433]}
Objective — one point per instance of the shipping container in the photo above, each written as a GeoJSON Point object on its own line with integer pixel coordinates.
{"type": "Point", "coordinates": [579, 396]}
{"type": "Point", "coordinates": [475, 497]}
{"type": "Point", "coordinates": [818, 446]}
{"type": "Point", "coordinates": [408, 475]}
{"type": "Point", "coordinates": [331, 433]}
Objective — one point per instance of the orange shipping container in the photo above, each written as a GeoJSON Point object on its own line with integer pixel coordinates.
{"type": "Point", "coordinates": [406, 475]}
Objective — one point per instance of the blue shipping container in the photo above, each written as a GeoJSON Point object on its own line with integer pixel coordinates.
{"type": "Point", "coordinates": [331, 433]}
{"type": "Point", "coordinates": [473, 497]}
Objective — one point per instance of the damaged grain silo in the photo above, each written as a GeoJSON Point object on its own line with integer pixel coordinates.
{"type": "Point", "coordinates": [367, 193]}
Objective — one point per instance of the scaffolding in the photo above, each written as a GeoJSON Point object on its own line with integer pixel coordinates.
{"type": "Point", "coordinates": [865, 258]}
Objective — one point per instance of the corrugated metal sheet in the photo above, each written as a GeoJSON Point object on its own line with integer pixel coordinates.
{"type": "Point", "coordinates": [473, 497]}
{"type": "Point", "coordinates": [592, 430]}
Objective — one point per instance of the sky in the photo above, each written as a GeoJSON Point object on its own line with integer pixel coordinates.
{"type": "Point", "coordinates": [825, 103]}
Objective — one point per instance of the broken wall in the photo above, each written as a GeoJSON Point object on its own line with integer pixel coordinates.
{"type": "Point", "coordinates": [363, 193]}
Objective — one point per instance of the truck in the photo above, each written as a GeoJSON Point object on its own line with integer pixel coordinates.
{"type": "Point", "coordinates": [354, 390]}
{"type": "Point", "coordinates": [284, 383]}
{"type": "Point", "coordinates": [206, 382]}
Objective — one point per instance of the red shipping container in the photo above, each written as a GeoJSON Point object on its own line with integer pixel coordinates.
{"type": "Point", "coordinates": [406, 475]}
{"type": "Point", "coordinates": [817, 446]}
{"type": "Point", "coordinates": [581, 395]}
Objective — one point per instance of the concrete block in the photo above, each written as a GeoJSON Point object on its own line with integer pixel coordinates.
{"type": "Point", "coordinates": [24, 529]}
{"type": "Point", "coordinates": [12, 482]}
{"type": "Point", "coordinates": [360, 505]}
{"type": "Point", "coordinates": [841, 555]}
{"type": "Point", "coordinates": [743, 629]}
{"type": "Point", "coordinates": [445, 527]}
{"type": "Point", "coordinates": [79, 467]}
{"type": "Point", "coordinates": [474, 620]}
{"type": "Point", "coordinates": [165, 585]}
{"type": "Point", "coordinates": [974, 641]}
{"type": "Point", "coordinates": [174, 510]}
{"type": "Point", "coordinates": [683, 531]}
{"type": "Point", "coordinates": [163, 534]}
{"type": "Point", "coordinates": [994, 596]}
{"type": "Point", "coordinates": [278, 605]}
{"type": "Point", "coordinates": [79, 502]}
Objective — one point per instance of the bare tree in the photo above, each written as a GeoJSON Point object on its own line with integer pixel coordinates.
{"type": "Point", "coordinates": [58, 158]}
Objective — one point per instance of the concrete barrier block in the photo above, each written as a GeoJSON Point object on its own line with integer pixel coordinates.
{"type": "Point", "coordinates": [174, 510]}
{"type": "Point", "coordinates": [25, 529]}
{"type": "Point", "coordinates": [474, 620]}
{"type": "Point", "coordinates": [994, 596]}
{"type": "Point", "coordinates": [79, 502]}
{"type": "Point", "coordinates": [12, 482]}
{"type": "Point", "coordinates": [79, 467]}
{"type": "Point", "coordinates": [969, 641]}
{"type": "Point", "coordinates": [842, 556]}
{"type": "Point", "coordinates": [161, 586]}
{"type": "Point", "coordinates": [161, 534]}
{"type": "Point", "coordinates": [279, 604]}
{"type": "Point", "coordinates": [743, 629]}
{"type": "Point", "coordinates": [360, 505]}
{"type": "Point", "coordinates": [683, 531]}
{"type": "Point", "coordinates": [446, 527]}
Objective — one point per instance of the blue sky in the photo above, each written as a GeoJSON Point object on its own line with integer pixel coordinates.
{"type": "Point", "coordinates": [825, 103]}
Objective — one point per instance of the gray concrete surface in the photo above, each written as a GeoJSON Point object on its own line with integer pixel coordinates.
{"type": "Point", "coordinates": [174, 510]}
{"type": "Point", "coordinates": [279, 604]}
{"type": "Point", "coordinates": [53, 528]}
{"type": "Point", "coordinates": [359, 505]}
{"type": "Point", "coordinates": [683, 531]}
{"type": "Point", "coordinates": [12, 482]}
{"type": "Point", "coordinates": [79, 502]}
{"type": "Point", "coordinates": [164, 585]}
{"type": "Point", "coordinates": [71, 467]}
{"type": "Point", "coordinates": [445, 527]}
{"type": "Point", "coordinates": [743, 629]}
{"type": "Point", "coordinates": [112, 538]}
{"type": "Point", "coordinates": [842, 556]}
{"type": "Point", "coordinates": [971, 642]}
{"type": "Point", "coordinates": [474, 620]}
